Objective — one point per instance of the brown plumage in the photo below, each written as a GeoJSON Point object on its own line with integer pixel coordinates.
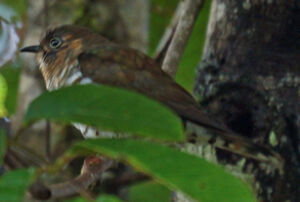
{"type": "Point", "coordinates": [71, 54]}
{"type": "Point", "coordinates": [107, 63]}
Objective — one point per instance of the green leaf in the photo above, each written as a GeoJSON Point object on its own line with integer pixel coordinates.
{"type": "Point", "coordinates": [14, 184]}
{"type": "Point", "coordinates": [108, 108]}
{"type": "Point", "coordinates": [177, 170]}
{"type": "Point", "coordinates": [102, 198]}
{"type": "Point", "coordinates": [11, 74]}
{"type": "Point", "coordinates": [193, 52]}
{"type": "Point", "coordinates": [3, 92]}
{"type": "Point", "coordinates": [160, 16]}
{"type": "Point", "coordinates": [107, 198]}
{"type": "Point", "coordinates": [2, 145]}
{"type": "Point", "coordinates": [148, 192]}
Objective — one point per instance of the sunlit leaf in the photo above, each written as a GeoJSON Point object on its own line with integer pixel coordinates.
{"type": "Point", "coordinates": [177, 170]}
{"type": "Point", "coordinates": [193, 52]}
{"type": "Point", "coordinates": [14, 184]}
{"type": "Point", "coordinates": [3, 94]}
{"type": "Point", "coordinates": [11, 73]}
{"type": "Point", "coordinates": [148, 192]}
{"type": "Point", "coordinates": [108, 108]}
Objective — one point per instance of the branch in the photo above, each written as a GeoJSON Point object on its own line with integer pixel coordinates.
{"type": "Point", "coordinates": [92, 170]}
{"type": "Point", "coordinates": [189, 13]}
{"type": "Point", "coordinates": [166, 39]}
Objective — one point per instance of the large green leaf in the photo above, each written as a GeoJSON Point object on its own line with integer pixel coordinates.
{"type": "Point", "coordinates": [11, 73]}
{"type": "Point", "coordinates": [13, 184]}
{"type": "Point", "coordinates": [193, 52]}
{"type": "Point", "coordinates": [175, 169]}
{"type": "Point", "coordinates": [108, 108]}
{"type": "Point", "coordinates": [148, 192]}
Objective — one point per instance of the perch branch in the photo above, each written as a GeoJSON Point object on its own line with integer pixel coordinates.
{"type": "Point", "coordinates": [189, 13]}
{"type": "Point", "coordinates": [92, 170]}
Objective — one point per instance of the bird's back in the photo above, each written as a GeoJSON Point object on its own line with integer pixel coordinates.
{"type": "Point", "coordinates": [130, 69]}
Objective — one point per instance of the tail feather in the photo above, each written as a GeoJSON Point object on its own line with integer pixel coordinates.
{"type": "Point", "coordinates": [225, 139]}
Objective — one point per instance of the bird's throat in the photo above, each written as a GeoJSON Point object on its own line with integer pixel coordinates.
{"type": "Point", "coordinates": [59, 76]}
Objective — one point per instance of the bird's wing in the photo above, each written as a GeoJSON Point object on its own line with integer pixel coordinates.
{"type": "Point", "coordinates": [127, 68]}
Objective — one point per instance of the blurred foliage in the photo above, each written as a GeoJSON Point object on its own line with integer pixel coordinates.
{"type": "Point", "coordinates": [3, 92]}
{"type": "Point", "coordinates": [10, 20]}
{"type": "Point", "coordinates": [2, 145]}
{"type": "Point", "coordinates": [14, 184]}
{"type": "Point", "coordinates": [102, 198]}
{"type": "Point", "coordinates": [11, 73]}
{"type": "Point", "coordinates": [193, 52]}
{"type": "Point", "coordinates": [108, 108]}
{"type": "Point", "coordinates": [160, 17]}
{"type": "Point", "coordinates": [196, 177]}
{"type": "Point", "coordinates": [13, 10]}
{"type": "Point", "coordinates": [11, 13]}
{"type": "Point", "coordinates": [149, 192]}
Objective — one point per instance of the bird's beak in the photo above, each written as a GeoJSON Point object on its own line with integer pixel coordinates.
{"type": "Point", "coordinates": [32, 49]}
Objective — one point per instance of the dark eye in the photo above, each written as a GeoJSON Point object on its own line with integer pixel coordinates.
{"type": "Point", "coordinates": [55, 43]}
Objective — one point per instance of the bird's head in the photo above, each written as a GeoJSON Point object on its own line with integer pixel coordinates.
{"type": "Point", "coordinates": [59, 49]}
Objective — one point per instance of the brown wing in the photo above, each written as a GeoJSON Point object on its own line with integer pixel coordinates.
{"type": "Point", "coordinates": [130, 69]}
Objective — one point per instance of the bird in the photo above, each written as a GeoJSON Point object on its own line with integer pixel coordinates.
{"type": "Point", "coordinates": [70, 54]}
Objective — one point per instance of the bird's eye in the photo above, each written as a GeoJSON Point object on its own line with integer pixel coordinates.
{"type": "Point", "coordinates": [55, 43]}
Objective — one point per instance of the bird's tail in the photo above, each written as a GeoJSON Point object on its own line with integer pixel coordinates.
{"type": "Point", "coordinates": [223, 138]}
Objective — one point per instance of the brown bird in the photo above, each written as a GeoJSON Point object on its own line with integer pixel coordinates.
{"type": "Point", "coordinates": [70, 55]}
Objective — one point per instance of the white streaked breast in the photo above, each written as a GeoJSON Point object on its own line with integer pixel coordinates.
{"type": "Point", "coordinates": [71, 79]}
{"type": "Point", "coordinates": [92, 132]}
{"type": "Point", "coordinates": [85, 80]}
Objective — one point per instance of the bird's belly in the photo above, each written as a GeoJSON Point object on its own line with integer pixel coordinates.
{"type": "Point", "coordinates": [92, 132]}
{"type": "Point", "coordinates": [76, 77]}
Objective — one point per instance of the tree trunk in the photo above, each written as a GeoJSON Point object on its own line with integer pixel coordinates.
{"type": "Point", "coordinates": [249, 77]}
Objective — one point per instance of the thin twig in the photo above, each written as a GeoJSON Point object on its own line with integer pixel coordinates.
{"type": "Point", "coordinates": [189, 13]}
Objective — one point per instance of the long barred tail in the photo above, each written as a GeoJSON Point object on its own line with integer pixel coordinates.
{"type": "Point", "coordinates": [238, 145]}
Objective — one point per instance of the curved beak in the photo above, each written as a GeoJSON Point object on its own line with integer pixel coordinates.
{"type": "Point", "coordinates": [32, 49]}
